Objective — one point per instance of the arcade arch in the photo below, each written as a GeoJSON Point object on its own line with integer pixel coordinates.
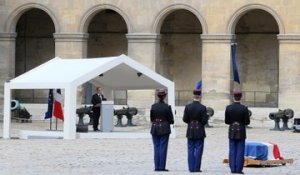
{"type": "Point", "coordinates": [181, 52]}
{"type": "Point", "coordinates": [107, 31]}
{"type": "Point", "coordinates": [159, 19]}
{"type": "Point", "coordinates": [256, 33]}
{"type": "Point", "coordinates": [11, 22]}
{"type": "Point", "coordinates": [34, 46]}
{"type": "Point", "coordinates": [90, 14]}
{"type": "Point", "coordinates": [107, 34]}
{"type": "Point", "coordinates": [231, 25]}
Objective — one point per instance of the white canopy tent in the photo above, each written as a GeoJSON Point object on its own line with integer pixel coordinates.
{"type": "Point", "coordinates": [117, 73]}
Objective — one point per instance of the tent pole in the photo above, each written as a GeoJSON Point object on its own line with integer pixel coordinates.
{"type": "Point", "coordinates": [7, 111]}
{"type": "Point", "coordinates": [69, 124]}
{"type": "Point", "coordinates": [171, 102]}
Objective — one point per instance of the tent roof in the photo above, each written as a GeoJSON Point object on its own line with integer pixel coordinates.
{"type": "Point", "coordinates": [119, 73]}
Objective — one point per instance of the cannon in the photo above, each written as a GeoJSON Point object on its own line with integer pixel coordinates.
{"type": "Point", "coordinates": [249, 114]}
{"type": "Point", "coordinates": [129, 112]}
{"type": "Point", "coordinates": [81, 127]}
{"type": "Point", "coordinates": [296, 125]}
{"type": "Point", "coordinates": [210, 112]}
{"type": "Point", "coordinates": [283, 115]}
{"type": "Point", "coordinates": [19, 112]}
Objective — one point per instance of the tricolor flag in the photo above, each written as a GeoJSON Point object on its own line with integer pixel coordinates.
{"type": "Point", "coordinates": [49, 112]}
{"type": "Point", "coordinates": [54, 105]}
{"type": "Point", "coordinates": [57, 107]}
{"type": "Point", "coordinates": [262, 151]}
{"type": "Point", "coordinates": [234, 64]}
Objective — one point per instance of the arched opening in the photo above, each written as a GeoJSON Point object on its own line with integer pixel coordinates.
{"type": "Point", "coordinates": [34, 46]}
{"type": "Point", "coordinates": [181, 53]}
{"type": "Point", "coordinates": [107, 37]}
{"type": "Point", "coordinates": [258, 58]}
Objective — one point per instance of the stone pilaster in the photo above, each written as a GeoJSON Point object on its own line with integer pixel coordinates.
{"type": "Point", "coordinates": [7, 60]}
{"type": "Point", "coordinates": [216, 70]}
{"type": "Point", "coordinates": [144, 48]}
{"type": "Point", "coordinates": [289, 72]}
{"type": "Point", "coordinates": [71, 45]}
{"type": "Point", "coordinates": [7, 50]}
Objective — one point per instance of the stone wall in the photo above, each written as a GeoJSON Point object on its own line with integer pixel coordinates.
{"type": "Point", "coordinates": [163, 36]}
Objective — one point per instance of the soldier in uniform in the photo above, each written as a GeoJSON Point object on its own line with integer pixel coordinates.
{"type": "Point", "coordinates": [237, 117]}
{"type": "Point", "coordinates": [97, 99]}
{"type": "Point", "coordinates": [161, 117]}
{"type": "Point", "coordinates": [196, 117]}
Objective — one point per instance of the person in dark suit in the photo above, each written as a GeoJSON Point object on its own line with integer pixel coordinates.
{"type": "Point", "coordinates": [97, 99]}
{"type": "Point", "coordinates": [237, 117]}
{"type": "Point", "coordinates": [161, 117]}
{"type": "Point", "coordinates": [196, 117]}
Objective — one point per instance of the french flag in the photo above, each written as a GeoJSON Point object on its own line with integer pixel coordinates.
{"type": "Point", "coordinates": [57, 106]}
{"type": "Point", "coordinates": [262, 151]}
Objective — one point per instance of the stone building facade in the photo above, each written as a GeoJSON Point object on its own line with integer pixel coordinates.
{"type": "Point", "coordinates": [183, 40]}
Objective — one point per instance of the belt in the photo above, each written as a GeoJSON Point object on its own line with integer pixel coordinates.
{"type": "Point", "coordinates": [194, 121]}
{"type": "Point", "coordinates": [159, 120]}
{"type": "Point", "coordinates": [235, 123]}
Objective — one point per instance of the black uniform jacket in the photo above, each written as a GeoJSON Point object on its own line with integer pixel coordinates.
{"type": "Point", "coordinates": [236, 112]}
{"type": "Point", "coordinates": [161, 112]}
{"type": "Point", "coordinates": [196, 117]}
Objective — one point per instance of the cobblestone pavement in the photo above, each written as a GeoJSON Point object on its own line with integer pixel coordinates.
{"type": "Point", "coordinates": [133, 156]}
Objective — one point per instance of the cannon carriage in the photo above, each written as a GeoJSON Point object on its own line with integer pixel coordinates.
{"type": "Point", "coordinates": [210, 112]}
{"type": "Point", "coordinates": [129, 112]}
{"type": "Point", "coordinates": [283, 115]}
{"type": "Point", "coordinates": [19, 112]}
{"type": "Point", "coordinates": [81, 127]}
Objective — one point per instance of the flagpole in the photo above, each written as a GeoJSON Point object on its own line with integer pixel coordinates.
{"type": "Point", "coordinates": [49, 112]}
{"type": "Point", "coordinates": [56, 124]}
{"type": "Point", "coordinates": [50, 124]}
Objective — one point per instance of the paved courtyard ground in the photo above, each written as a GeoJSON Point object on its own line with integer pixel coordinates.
{"type": "Point", "coordinates": [132, 156]}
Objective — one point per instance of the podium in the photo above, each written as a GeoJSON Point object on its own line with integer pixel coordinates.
{"type": "Point", "coordinates": [107, 113]}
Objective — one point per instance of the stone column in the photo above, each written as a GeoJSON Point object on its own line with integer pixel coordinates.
{"type": "Point", "coordinates": [216, 70]}
{"type": "Point", "coordinates": [289, 72]}
{"type": "Point", "coordinates": [7, 60]}
{"type": "Point", "coordinates": [144, 48]}
{"type": "Point", "coordinates": [72, 45]}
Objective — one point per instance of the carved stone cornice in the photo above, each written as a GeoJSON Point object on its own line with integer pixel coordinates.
{"type": "Point", "coordinates": [288, 38]}
{"type": "Point", "coordinates": [143, 38]}
{"type": "Point", "coordinates": [70, 37]}
{"type": "Point", "coordinates": [217, 38]}
{"type": "Point", "coordinates": [8, 36]}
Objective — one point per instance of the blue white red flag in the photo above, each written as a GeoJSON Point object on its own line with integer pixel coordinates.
{"type": "Point", "coordinates": [57, 107]}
